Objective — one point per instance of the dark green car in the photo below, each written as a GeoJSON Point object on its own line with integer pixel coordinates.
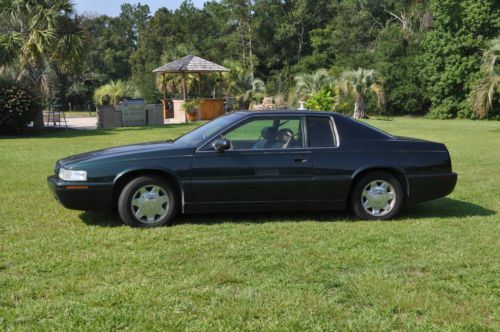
{"type": "Point", "coordinates": [258, 161]}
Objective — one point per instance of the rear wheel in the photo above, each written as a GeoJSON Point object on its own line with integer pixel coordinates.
{"type": "Point", "coordinates": [147, 201]}
{"type": "Point", "coordinates": [377, 196]}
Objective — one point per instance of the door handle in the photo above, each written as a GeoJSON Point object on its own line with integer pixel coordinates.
{"type": "Point", "coordinates": [300, 160]}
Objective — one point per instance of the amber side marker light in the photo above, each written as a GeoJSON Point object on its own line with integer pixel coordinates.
{"type": "Point", "coordinates": [77, 187]}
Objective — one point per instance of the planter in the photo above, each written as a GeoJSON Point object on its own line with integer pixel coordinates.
{"type": "Point", "coordinates": [192, 116]}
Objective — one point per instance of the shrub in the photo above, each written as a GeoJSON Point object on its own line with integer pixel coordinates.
{"type": "Point", "coordinates": [17, 107]}
{"type": "Point", "coordinates": [321, 101]}
{"type": "Point", "coordinates": [113, 92]}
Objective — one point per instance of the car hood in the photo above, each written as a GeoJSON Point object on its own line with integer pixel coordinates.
{"type": "Point", "coordinates": [127, 151]}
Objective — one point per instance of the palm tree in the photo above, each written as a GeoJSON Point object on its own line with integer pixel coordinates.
{"type": "Point", "coordinates": [35, 36]}
{"type": "Point", "coordinates": [358, 84]}
{"type": "Point", "coordinates": [241, 84]}
{"type": "Point", "coordinates": [310, 84]}
{"type": "Point", "coordinates": [113, 93]}
{"type": "Point", "coordinates": [483, 94]}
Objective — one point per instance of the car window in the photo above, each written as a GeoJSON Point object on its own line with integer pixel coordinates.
{"type": "Point", "coordinates": [202, 133]}
{"type": "Point", "coordinates": [266, 133]}
{"type": "Point", "coordinates": [320, 132]}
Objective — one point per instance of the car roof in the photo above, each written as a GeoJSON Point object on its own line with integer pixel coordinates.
{"type": "Point", "coordinates": [353, 129]}
{"type": "Point", "coordinates": [287, 112]}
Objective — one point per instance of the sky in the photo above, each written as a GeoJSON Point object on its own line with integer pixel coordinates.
{"type": "Point", "coordinates": [112, 7]}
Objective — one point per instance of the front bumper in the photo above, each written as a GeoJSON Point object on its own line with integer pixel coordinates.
{"type": "Point", "coordinates": [429, 187]}
{"type": "Point", "coordinates": [82, 195]}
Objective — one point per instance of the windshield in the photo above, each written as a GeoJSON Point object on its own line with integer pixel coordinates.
{"type": "Point", "coordinates": [202, 133]}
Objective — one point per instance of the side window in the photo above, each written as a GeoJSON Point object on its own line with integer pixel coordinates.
{"type": "Point", "coordinates": [267, 133]}
{"type": "Point", "coordinates": [320, 132]}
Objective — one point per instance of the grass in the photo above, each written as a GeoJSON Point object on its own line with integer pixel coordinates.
{"type": "Point", "coordinates": [435, 268]}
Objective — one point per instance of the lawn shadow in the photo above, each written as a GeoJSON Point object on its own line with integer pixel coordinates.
{"type": "Point", "coordinates": [101, 219]}
{"type": "Point", "coordinates": [263, 217]}
{"type": "Point", "coordinates": [51, 132]}
{"type": "Point", "coordinates": [441, 209]}
{"type": "Point", "coordinates": [445, 208]}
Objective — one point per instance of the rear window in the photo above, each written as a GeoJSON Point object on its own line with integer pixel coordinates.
{"type": "Point", "coordinates": [350, 128]}
{"type": "Point", "coordinates": [320, 132]}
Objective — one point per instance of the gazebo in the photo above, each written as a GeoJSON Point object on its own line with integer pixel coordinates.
{"type": "Point", "coordinates": [209, 107]}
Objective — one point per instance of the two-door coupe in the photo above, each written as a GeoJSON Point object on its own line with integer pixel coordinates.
{"type": "Point", "coordinates": [257, 161]}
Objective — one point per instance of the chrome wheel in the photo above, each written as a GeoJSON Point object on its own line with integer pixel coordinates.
{"type": "Point", "coordinates": [378, 198]}
{"type": "Point", "coordinates": [150, 204]}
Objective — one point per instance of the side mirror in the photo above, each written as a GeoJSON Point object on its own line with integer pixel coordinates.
{"type": "Point", "coordinates": [221, 145]}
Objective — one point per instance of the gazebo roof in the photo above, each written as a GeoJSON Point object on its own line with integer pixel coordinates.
{"type": "Point", "coordinates": [190, 64]}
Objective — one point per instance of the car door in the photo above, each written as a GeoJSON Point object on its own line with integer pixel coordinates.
{"type": "Point", "coordinates": [331, 171]}
{"type": "Point", "coordinates": [261, 167]}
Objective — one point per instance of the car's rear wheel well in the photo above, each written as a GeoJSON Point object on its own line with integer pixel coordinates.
{"type": "Point", "coordinates": [393, 171]}
{"type": "Point", "coordinates": [126, 178]}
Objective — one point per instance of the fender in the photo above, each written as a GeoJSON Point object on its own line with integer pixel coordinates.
{"type": "Point", "coordinates": [158, 169]}
{"type": "Point", "coordinates": [394, 168]}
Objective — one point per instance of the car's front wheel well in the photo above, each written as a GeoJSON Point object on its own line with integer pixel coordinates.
{"type": "Point", "coordinates": [393, 171]}
{"type": "Point", "coordinates": [126, 178]}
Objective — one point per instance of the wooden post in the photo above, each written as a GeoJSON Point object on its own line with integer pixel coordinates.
{"type": "Point", "coordinates": [164, 103]}
{"type": "Point", "coordinates": [199, 85]}
{"type": "Point", "coordinates": [164, 83]}
{"type": "Point", "coordinates": [184, 86]}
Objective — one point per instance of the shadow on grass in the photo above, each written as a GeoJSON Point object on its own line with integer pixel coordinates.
{"type": "Point", "coordinates": [263, 217]}
{"type": "Point", "coordinates": [51, 132]}
{"type": "Point", "coordinates": [440, 209]}
{"type": "Point", "coordinates": [101, 219]}
{"type": "Point", "coordinates": [445, 208]}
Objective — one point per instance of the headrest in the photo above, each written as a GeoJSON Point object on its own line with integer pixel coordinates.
{"type": "Point", "coordinates": [268, 133]}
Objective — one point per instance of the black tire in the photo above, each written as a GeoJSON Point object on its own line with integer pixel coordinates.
{"type": "Point", "coordinates": [356, 199]}
{"type": "Point", "coordinates": [125, 208]}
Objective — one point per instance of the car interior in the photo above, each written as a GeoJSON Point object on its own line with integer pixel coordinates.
{"type": "Point", "coordinates": [257, 135]}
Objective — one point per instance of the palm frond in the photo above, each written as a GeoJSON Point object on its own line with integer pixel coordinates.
{"type": "Point", "coordinates": [483, 94]}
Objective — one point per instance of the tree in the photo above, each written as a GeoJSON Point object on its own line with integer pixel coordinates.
{"type": "Point", "coordinates": [33, 37]}
{"type": "Point", "coordinates": [241, 84]}
{"type": "Point", "coordinates": [321, 101]}
{"type": "Point", "coordinates": [112, 93]}
{"type": "Point", "coordinates": [488, 87]}
{"type": "Point", "coordinates": [452, 52]}
{"type": "Point", "coordinates": [308, 84]}
{"type": "Point", "coordinates": [359, 84]}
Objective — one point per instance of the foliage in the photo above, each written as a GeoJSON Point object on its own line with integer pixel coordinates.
{"type": "Point", "coordinates": [321, 101]}
{"type": "Point", "coordinates": [113, 92]}
{"type": "Point", "coordinates": [243, 86]}
{"type": "Point", "coordinates": [428, 52]}
{"type": "Point", "coordinates": [435, 268]}
{"type": "Point", "coordinates": [192, 106]}
{"type": "Point", "coordinates": [307, 85]}
{"type": "Point", "coordinates": [358, 84]}
{"type": "Point", "coordinates": [485, 94]}
{"type": "Point", "coordinates": [452, 52]}
{"type": "Point", "coordinates": [37, 35]}
{"type": "Point", "coordinates": [17, 107]}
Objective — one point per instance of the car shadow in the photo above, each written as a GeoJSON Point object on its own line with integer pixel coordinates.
{"type": "Point", "coordinates": [101, 219]}
{"type": "Point", "coordinates": [442, 208]}
{"type": "Point", "coordinates": [445, 208]}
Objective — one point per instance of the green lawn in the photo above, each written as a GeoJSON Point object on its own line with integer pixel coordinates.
{"type": "Point", "coordinates": [436, 267]}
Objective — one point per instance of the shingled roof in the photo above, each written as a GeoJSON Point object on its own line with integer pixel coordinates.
{"type": "Point", "coordinates": [190, 64]}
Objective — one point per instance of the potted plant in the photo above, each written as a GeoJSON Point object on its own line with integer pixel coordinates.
{"type": "Point", "coordinates": [192, 108]}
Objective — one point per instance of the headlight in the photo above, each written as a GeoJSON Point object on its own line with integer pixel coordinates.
{"type": "Point", "coordinates": [72, 175]}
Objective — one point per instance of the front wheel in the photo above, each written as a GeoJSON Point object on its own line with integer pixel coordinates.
{"type": "Point", "coordinates": [147, 201]}
{"type": "Point", "coordinates": [377, 196]}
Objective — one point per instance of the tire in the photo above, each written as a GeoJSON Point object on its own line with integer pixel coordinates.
{"type": "Point", "coordinates": [371, 197]}
{"type": "Point", "coordinates": [148, 201]}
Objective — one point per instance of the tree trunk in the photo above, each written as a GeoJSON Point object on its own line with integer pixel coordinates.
{"type": "Point", "coordinates": [38, 120]}
{"type": "Point", "coordinates": [359, 107]}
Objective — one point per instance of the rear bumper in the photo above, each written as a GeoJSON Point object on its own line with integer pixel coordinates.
{"type": "Point", "coordinates": [429, 187]}
{"type": "Point", "coordinates": [82, 195]}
